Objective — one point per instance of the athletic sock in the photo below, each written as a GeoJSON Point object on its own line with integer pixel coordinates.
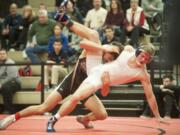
{"type": "Point", "coordinates": [17, 116]}
{"type": "Point", "coordinates": [57, 116]}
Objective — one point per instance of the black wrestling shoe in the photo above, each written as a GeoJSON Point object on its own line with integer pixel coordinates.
{"type": "Point", "coordinates": [50, 124]}
{"type": "Point", "coordinates": [61, 15]}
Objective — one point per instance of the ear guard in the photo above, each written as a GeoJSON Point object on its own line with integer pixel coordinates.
{"type": "Point", "coordinates": [139, 50]}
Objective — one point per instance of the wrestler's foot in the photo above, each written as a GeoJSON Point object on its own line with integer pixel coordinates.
{"type": "Point", "coordinates": [64, 3]}
{"type": "Point", "coordinates": [85, 123]}
{"type": "Point", "coordinates": [4, 123]}
{"type": "Point", "coordinates": [50, 124]}
{"type": "Point", "coordinates": [167, 117]}
{"type": "Point", "coordinates": [61, 15]}
{"type": "Point", "coordinates": [145, 117]}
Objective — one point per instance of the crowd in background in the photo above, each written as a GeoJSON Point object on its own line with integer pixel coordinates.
{"type": "Point", "coordinates": [124, 21]}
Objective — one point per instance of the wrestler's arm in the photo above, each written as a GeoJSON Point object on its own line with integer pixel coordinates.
{"type": "Point", "coordinates": [129, 48]}
{"type": "Point", "coordinates": [85, 32]}
{"type": "Point", "coordinates": [151, 98]}
{"type": "Point", "coordinates": [89, 45]}
{"type": "Point", "coordinates": [105, 84]}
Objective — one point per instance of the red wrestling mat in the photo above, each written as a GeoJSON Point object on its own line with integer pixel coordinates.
{"type": "Point", "coordinates": [112, 126]}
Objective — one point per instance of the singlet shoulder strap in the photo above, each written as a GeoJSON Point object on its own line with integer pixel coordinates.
{"type": "Point", "coordinates": [74, 74]}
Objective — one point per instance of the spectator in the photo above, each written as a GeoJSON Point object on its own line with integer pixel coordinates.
{"type": "Point", "coordinates": [42, 29]}
{"type": "Point", "coordinates": [125, 5]}
{"type": "Point", "coordinates": [153, 12]}
{"type": "Point", "coordinates": [42, 6]}
{"type": "Point", "coordinates": [73, 39]}
{"type": "Point", "coordinates": [115, 17]}
{"type": "Point", "coordinates": [1, 25]}
{"type": "Point", "coordinates": [136, 24]}
{"type": "Point", "coordinates": [84, 6]}
{"type": "Point", "coordinates": [9, 81]}
{"type": "Point", "coordinates": [167, 92]}
{"type": "Point", "coordinates": [73, 12]}
{"type": "Point", "coordinates": [95, 17]}
{"type": "Point", "coordinates": [12, 29]}
{"type": "Point", "coordinates": [109, 35]}
{"type": "Point", "coordinates": [58, 35]}
{"type": "Point", "coordinates": [57, 55]}
{"type": "Point", "coordinates": [27, 19]}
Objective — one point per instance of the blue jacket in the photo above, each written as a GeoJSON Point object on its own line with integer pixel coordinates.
{"type": "Point", "coordinates": [64, 40]}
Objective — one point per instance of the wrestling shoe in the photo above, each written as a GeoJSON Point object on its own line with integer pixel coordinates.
{"type": "Point", "coordinates": [50, 124]}
{"type": "Point", "coordinates": [61, 15]}
{"type": "Point", "coordinates": [86, 124]}
{"type": "Point", "coordinates": [64, 3]}
{"type": "Point", "coordinates": [4, 123]}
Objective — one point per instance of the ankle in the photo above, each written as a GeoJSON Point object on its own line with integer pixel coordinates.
{"type": "Point", "coordinates": [57, 116]}
{"type": "Point", "coordinates": [85, 118]}
{"type": "Point", "coordinates": [17, 116]}
{"type": "Point", "coordinates": [69, 23]}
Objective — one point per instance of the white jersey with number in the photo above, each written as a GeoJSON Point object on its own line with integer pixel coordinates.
{"type": "Point", "coordinates": [119, 71]}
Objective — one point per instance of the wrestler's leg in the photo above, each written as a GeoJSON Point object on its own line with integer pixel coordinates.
{"type": "Point", "coordinates": [76, 27]}
{"type": "Point", "coordinates": [85, 32]}
{"type": "Point", "coordinates": [98, 112]}
{"type": "Point", "coordinates": [53, 99]}
{"type": "Point", "coordinates": [84, 91]}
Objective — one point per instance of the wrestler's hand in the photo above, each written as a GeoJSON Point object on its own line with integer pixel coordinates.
{"type": "Point", "coordinates": [105, 90]}
{"type": "Point", "coordinates": [106, 83]}
{"type": "Point", "coordinates": [110, 48]}
{"type": "Point", "coordinates": [162, 121]}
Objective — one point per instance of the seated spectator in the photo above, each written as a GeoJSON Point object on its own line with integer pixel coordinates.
{"type": "Point", "coordinates": [58, 35]}
{"type": "Point", "coordinates": [73, 12]}
{"type": "Point", "coordinates": [153, 12]}
{"type": "Point", "coordinates": [42, 6]}
{"type": "Point", "coordinates": [136, 24]}
{"type": "Point", "coordinates": [58, 72]}
{"type": "Point", "coordinates": [12, 29]}
{"type": "Point", "coordinates": [42, 29]}
{"type": "Point", "coordinates": [95, 17]}
{"type": "Point", "coordinates": [125, 4]}
{"type": "Point", "coordinates": [27, 19]}
{"type": "Point", "coordinates": [85, 5]}
{"type": "Point", "coordinates": [167, 92]}
{"type": "Point", "coordinates": [109, 35]}
{"type": "Point", "coordinates": [115, 17]}
{"type": "Point", "coordinates": [73, 39]}
{"type": "Point", "coordinates": [9, 81]}
{"type": "Point", "coordinates": [1, 26]}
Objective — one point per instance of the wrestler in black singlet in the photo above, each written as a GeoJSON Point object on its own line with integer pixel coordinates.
{"type": "Point", "coordinates": [69, 85]}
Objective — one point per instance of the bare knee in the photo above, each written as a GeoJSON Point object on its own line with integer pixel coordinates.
{"type": "Point", "coordinates": [42, 108]}
{"type": "Point", "coordinates": [74, 100]}
{"type": "Point", "coordinates": [102, 116]}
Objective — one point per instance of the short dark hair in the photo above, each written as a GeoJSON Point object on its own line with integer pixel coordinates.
{"type": "Point", "coordinates": [168, 76]}
{"type": "Point", "coordinates": [2, 49]}
{"type": "Point", "coordinates": [108, 27]}
{"type": "Point", "coordinates": [58, 40]}
{"type": "Point", "coordinates": [118, 44]}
